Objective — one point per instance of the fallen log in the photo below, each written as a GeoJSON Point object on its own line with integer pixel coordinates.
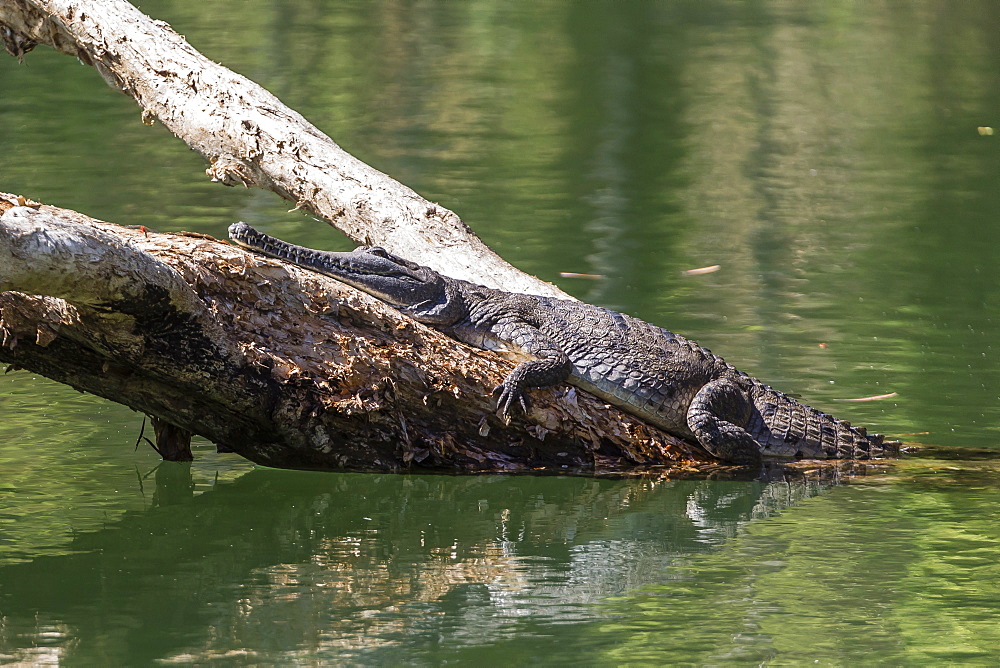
{"type": "Point", "coordinates": [281, 365]}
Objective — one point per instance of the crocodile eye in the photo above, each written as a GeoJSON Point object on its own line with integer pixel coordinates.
{"type": "Point", "coordinates": [378, 250]}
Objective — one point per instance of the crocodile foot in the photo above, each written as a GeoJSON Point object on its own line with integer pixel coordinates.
{"type": "Point", "coordinates": [508, 395]}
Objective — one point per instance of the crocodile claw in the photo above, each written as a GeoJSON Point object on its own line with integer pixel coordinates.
{"type": "Point", "coordinates": [507, 396]}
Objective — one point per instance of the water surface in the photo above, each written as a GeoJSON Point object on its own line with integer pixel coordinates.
{"type": "Point", "coordinates": [829, 158]}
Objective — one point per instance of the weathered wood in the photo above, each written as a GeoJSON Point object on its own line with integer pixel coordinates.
{"type": "Point", "coordinates": [281, 365]}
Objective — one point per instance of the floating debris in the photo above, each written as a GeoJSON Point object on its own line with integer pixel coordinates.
{"type": "Point", "coordinates": [701, 270]}
{"type": "Point", "coordinates": [573, 274]}
{"type": "Point", "coordinates": [985, 131]}
{"type": "Point", "coordinates": [874, 398]}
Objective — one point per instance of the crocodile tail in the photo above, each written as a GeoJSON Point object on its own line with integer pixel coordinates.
{"type": "Point", "coordinates": [880, 448]}
{"type": "Point", "coordinates": [788, 428]}
{"type": "Point", "coordinates": [857, 443]}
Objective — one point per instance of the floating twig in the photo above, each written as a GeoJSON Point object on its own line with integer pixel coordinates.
{"type": "Point", "coordinates": [874, 398]}
{"type": "Point", "coordinates": [573, 274]}
{"type": "Point", "coordinates": [702, 270]}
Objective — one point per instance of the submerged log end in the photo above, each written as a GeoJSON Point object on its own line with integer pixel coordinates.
{"type": "Point", "coordinates": [173, 443]}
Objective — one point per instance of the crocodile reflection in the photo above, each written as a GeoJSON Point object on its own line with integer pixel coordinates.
{"type": "Point", "coordinates": [365, 557]}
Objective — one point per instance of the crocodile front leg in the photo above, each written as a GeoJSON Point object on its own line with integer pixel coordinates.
{"type": "Point", "coordinates": [715, 417]}
{"type": "Point", "coordinates": [550, 366]}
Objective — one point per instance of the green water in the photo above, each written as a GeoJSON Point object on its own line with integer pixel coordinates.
{"type": "Point", "coordinates": [826, 155]}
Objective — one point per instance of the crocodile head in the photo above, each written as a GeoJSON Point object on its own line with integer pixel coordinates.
{"type": "Point", "coordinates": [418, 291]}
{"type": "Point", "coordinates": [389, 277]}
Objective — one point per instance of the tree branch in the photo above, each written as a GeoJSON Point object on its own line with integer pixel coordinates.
{"type": "Point", "coordinates": [250, 138]}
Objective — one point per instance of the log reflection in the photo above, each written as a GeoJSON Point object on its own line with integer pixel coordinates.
{"type": "Point", "coordinates": [336, 564]}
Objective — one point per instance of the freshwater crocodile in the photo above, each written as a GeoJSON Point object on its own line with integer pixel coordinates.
{"type": "Point", "coordinates": [656, 375]}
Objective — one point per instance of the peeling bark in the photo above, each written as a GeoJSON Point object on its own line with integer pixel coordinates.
{"type": "Point", "coordinates": [284, 366]}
